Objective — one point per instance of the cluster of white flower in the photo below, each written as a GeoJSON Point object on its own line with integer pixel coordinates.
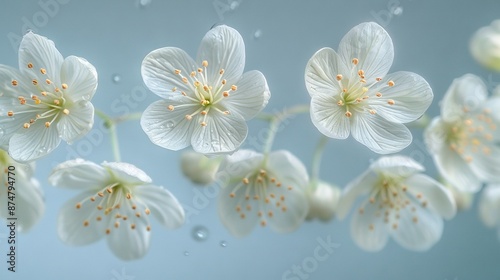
{"type": "Point", "coordinates": [205, 104]}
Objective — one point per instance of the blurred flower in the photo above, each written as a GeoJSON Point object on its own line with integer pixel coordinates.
{"type": "Point", "coordinates": [402, 203]}
{"type": "Point", "coordinates": [485, 46]}
{"type": "Point", "coordinates": [463, 199]}
{"type": "Point", "coordinates": [266, 188]}
{"type": "Point", "coordinates": [116, 202]}
{"type": "Point", "coordinates": [489, 207]}
{"type": "Point", "coordinates": [463, 140]}
{"type": "Point", "coordinates": [45, 101]}
{"type": "Point", "coordinates": [199, 168]}
{"type": "Point", "coordinates": [207, 102]}
{"type": "Point", "coordinates": [26, 194]}
{"type": "Point", "coordinates": [351, 91]}
{"type": "Point", "coordinates": [323, 201]}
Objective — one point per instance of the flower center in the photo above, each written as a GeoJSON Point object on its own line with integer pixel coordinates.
{"type": "Point", "coordinates": [356, 91]}
{"type": "Point", "coordinates": [46, 104]}
{"type": "Point", "coordinates": [264, 190]}
{"type": "Point", "coordinates": [472, 135]}
{"type": "Point", "coordinates": [205, 95]}
{"type": "Point", "coordinates": [109, 202]}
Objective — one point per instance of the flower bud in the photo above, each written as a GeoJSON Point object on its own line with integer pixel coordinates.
{"type": "Point", "coordinates": [323, 201]}
{"type": "Point", "coordinates": [485, 46]}
{"type": "Point", "coordinates": [463, 199]}
{"type": "Point", "coordinates": [198, 168]}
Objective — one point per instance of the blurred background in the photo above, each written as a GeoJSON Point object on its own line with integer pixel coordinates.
{"type": "Point", "coordinates": [430, 38]}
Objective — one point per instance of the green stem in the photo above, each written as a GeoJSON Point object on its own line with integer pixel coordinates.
{"type": "Point", "coordinates": [316, 161]}
{"type": "Point", "coordinates": [111, 125]}
{"type": "Point", "coordinates": [421, 123]}
{"type": "Point", "coordinates": [128, 117]}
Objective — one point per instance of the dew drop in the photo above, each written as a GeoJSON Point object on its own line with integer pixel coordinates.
{"type": "Point", "coordinates": [170, 124]}
{"type": "Point", "coordinates": [116, 78]}
{"type": "Point", "coordinates": [42, 150]}
{"type": "Point", "coordinates": [223, 244]}
{"type": "Point", "coordinates": [186, 253]}
{"type": "Point", "coordinates": [234, 5]}
{"type": "Point", "coordinates": [199, 233]}
{"type": "Point", "coordinates": [397, 11]}
{"type": "Point", "coordinates": [257, 34]}
{"type": "Point", "coordinates": [2, 132]}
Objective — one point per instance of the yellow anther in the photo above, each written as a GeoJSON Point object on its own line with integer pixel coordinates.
{"type": "Point", "coordinates": [10, 113]}
{"type": "Point", "coordinates": [390, 83]}
{"type": "Point", "coordinates": [348, 114]}
{"type": "Point", "coordinates": [48, 81]}
{"type": "Point", "coordinates": [38, 101]}
{"type": "Point", "coordinates": [129, 196]}
{"type": "Point", "coordinates": [234, 87]}
{"type": "Point", "coordinates": [35, 82]}
{"type": "Point", "coordinates": [14, 83]}
{"type": "Point", "coordinates": [170, 107]}
{"type": "Point", "coordinates": [184, 80]}
{"type": "Point", "coordinates": [98, 218]}
{"type": "Point", "coordinates": [221, 71]}
{"type": "Point", "coordinates": [43, 71]}
{"type": "Point", "coordinates": [108, 231]}
{"type": "Point", "coordinates": [148, 228]}
{"type": "Point", "coordinates": [203, 113]}
{"type": "Point", "coordinates": [246, 181]}
{"type": "Point", "coordinates": [78, 205]}
{"type": "Point", "coordinates": [339, 77]}
{"type": "Point", "coordinates": [30, 65]}
{"type": "Point", "coordinates": [340, 103]}
{"type": "Point", "coordinates": [47, 124]}
{"type": "Point", "coordinates": [188, 117]}
{"type": "Point", "coordinates": [92, 199]}
{"type": "Point", "coordinates": [365, 89]}
{"type": "Point", "coordinates": [174, 89]}
{"type": "Point", "coordinates": [64, 86]}
{"type": "Point", "coordinates": [203, 124]}
{"type": "Point", "coordinates": [109, 190]}
{"type": "Point", "coordinates": [177, 71]}
{"type": "Point", "coordinates": [378, 79]}
{"type": "Point", "coordinates": [224, 81]}
{"type": "Point", "coordinates": [372, 111]}
{"type": "Point", "coordinates": [196, 84]}
{"type": "Point", "coordinates": [378, 94]}
{"type": "Point", "coordinates": [391, 102]}
{"type": "Point", "coordinates": [192, 74]}
{"type": "Point", "coordinates": [85, 223]}
{"type": "Point", "coordinates": [57, 102]}
{"type": "Point", "coordinates": [361, 73]}
{"type": "Point", "coordinates": [232, 195]}
{"type": "Point", "coordinates": [225, 94]}
{"type": "Point", "coordinates": [26, 125]}
{"type": "Point", "coordinates": [204, 63]}
{"type": "Point", "coordinates": [355, 61]}
{"type": "Point", "coordinates": [101, 194]}
{"type": "Point", "coordinates": [43, 93]}
{"type": "Point", "coordinates": [199, 70]}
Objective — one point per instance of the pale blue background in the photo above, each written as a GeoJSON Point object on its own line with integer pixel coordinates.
{"type": "Point", "coordinates": [430, 37]}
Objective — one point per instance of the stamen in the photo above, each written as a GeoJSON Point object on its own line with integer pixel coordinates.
{"type": "Point", "coordinates": [390, 83]}
{"type": "Point", "coordinates": [339, 77]}
{"type": "Point", "coordinates": [14, 83]}
{"type": "Point", "coordinates": [66, 111]}
{"type": "Point", "coordinates": [26, 125]}
{"type": "Point", "coordinates": [391, 102]}
{"type": "Point", "coordinates": [48, 81]}
{"type": "Point", "coordinates": [10, 113]}
{"type": "Point", "coordinates": [340, 103]}
{"type": "Point", "coordinates": [234, 87]}
{"type": "Point", "coordinates": [177, 71]}
{"type": "Point", "coordinates": [348, 114]}
{"type": "Point", "coordinates": [47, 124]}
{"type": "Point", "coordinates": [30, 65]}
{"type": "Point", "coordinates": [355, 61]}
{"type": "Point", "coordinates": [64, 86]}
{"type": "Point", "coordinates": [43, 71]}
{"type": "Point", "coordinates": [204, 63]}
{"type": "Point", "coordinates": [170, 107]}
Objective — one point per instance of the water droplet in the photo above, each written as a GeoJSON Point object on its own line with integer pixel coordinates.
{"type": "Point", "coordinates": [234, 5]}
{"type": "Point", "coordinates": [170, 124]}
{"type": "Point", "coordinates": [42, 150]}
{"type": "Point", "coordinates": [199, 233]}
{"type": "Point", "coordinates": [223, 244]}
{"type": "Point", "coordinates": [397, 11]}
{"type": "Point", "coordinates": [143, 3]}
{"type": "Point", "coordinates": [116, 78]}
{"type": "Point", "coordinates": [186, 253]}
{"type": "Point", "coordinates": [257, 34]}
{"type": "Point", "coordinates": [2, 132]}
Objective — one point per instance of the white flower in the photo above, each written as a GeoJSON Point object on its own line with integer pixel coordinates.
{"type": "Point", "coordinates": [199, 168]}
{"type": "Point", "coordinates": [489, 207]}
{"type": "Point", "coordinates": [206, 102]}
{"type": "Point", "coordinates": [25, 193]}
{"type": "Point", "coordinates": [45, 101]}
{"type": "Point", "coordinates": [485, 46]}
{"type": "Point", "coordinates": [116, 202]}
{"type": "Point", "coordinates": [270, 190]}
{"type": "Point", "coordinates": [323, 201]}
{"type": "Point", "coordinates": [463, 199]}
{"type": "Point", "coordinates": [464, 139]}
{"type": "Point", "coordinates": [351, 91]}
{"type": "Point", "coordinates": [402, 203]}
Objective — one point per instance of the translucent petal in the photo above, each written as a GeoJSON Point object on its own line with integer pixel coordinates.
{"type": "Point", "coordinates": [489, 205]}
{"type": "Point", "coordinates": [378, 134]}
{"type": "Point", "coordinates": [250, 97]}
{"type": "Point", "coordinates": [30, 205]}
{"type": "Point", "coordinates": [34, 142]}
{"type": "Point", "coordinates": [438, 197]}
{"type": "Point", "coordinates": [168, 129]}
{"type": "Point", "coordinates": [158, 71]}
{"type": "Point", "coordinates": [359, 186]}
{"type": "Point", "coordinates": [486, 166]}
{"type": "Point", "coordinates": [367, 229]}
{"type": "Point", "coordinates": [79, 174]}
{"type": "Point", "coordinates": [372, 46]}
{"type": "Point", "coordinates": [81, 78]}
{"type": "Point", "coordinates": [223, 133]}
{"type": "Point", "coordinates": [321, 72]}
{"type": "Point", "coordinates": [328, 117]}
{"type": "Point", "coordinates": [163, 205]}
{"type": "Point", "coordinates": [223, 48]}
{"type": "Point", "coordinates": [411, 94]}
{"type": "Point", "coordinates": [77, 123]}
{"type": "Point", "coordinates": [467, 93]}
{"type": "Point", "coordinates": [398, 166]}
{"type": "Point", "coordinates": [127, 172]}
{"type": "Point", "coordinates": [238, 165]}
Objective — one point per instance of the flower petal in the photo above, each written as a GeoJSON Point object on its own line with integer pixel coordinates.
{"type": "Point", "coordinates": [486, 166]}
{"type": "Point", "coordinates": [223, 48]}
{"type": "Point", "coordinates": [81, 78]}
{"type": "Point", "coordinates": [411, 94]}
{"type": "Point", "coordinates": [285, 165]}
{"type": "Point", "coordinates": [41, 53]}
{"type": "Point", "coordinates": [328, 117]}
{"type": "Point", "coordinates": [359, 186]}
{"type": "Point", "coordinates": [251, 96]}
{"type": "Point", "coordinates": [438, 197]}
{"type": "Point", "coordinates": [79, 174]}
{"type": "Point", "coordinates": [398, 166]}
{"type": "Point", "coordinates": [127, 172]}
{"type": "Point", "coordinates": [372, 46]}
{"type": "Point", "coordinates": [34, 142]}
{"type": "Point", "coordinates": [367, 230]}
{"type": "Point", "coordinates": [223, 133]}
{"type": "Point", "coordinates": [158, 71]}
{"type": "Point", "coordinates": [30, 206]}
{"type": "Point", "coordinates": [127, 243]}
{"type": "Point", "coordinates": [70, 223]}
{"type": "Point", "coordinates": [238, 165]}
{"type": "Point", "coordinates": [417, 230]}
{"type": "Point", "coordinates": [77, 123]}
{"type": "Point", "coordinates": [489, 205]}
{"type": "Point", "coordinates": [465, 94]}
{"type": "Point", "coordinates": [378, 134]}
{"type": "Point", "coordinates": [163, 205]}
{"type": "Point", "coordinates": [321, 72]}
{"type": "Point", "coordinates": [168, 129]}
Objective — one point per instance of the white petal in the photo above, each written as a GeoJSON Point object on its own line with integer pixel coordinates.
{"type": "Point", "coordinates": [127, 172]}
{"type": "Point", "coordinates": [372, 46]}
{"type": "Point", "coordinates": [158, 71]}
{"type": "Point", "coordinates": [163, 205]}
{"type": "Point", "coordinates": [41, 53]}
{"type": "Point", "coordinates": [70, 223]}
{"type": "Point", "coordinates": [30, 205]}
{"type": "Point", "coordinates": [79, 174]}
{"type": "Point", "coordinates": [34, 142]}
{"type": "Point", "coordinates": [323, 202]}
{"type": "Point", "coordinates": [77, 123]}
{"type": "Point", "coordinates": [81, 78]}
{"type": "Point", "coordinates": [438, 197]}
{"type": "Point", "coordinates": [168, 129]}
{"type": "Point", "coordinates": [486, 166]}
{"type": "Point", "coordinates": [321, 72]}
{"type": "Point", "coordinates": [420, 235]}
{"type": "Point", "coordinates": [399, 166]}
{"type": "Point", "coordinates": [435, 135]}
{"type": "Point", "coordinates": [328, 117]}
{"type": "Point", "coordinates": [286, 165]}
{"type": "Point", "coordinates": [127, 243]}
{"type": "Point", "coordinates": [359, 186]}
{"type": "Point", "coordinates": [223, 48]}
{"type": "Point", "coordinates": [466, 93]}
{"type": "Point", "coordinates": [411, 94]}
{"type": "Point", "coordinates": [251, 96]}
{"type": "Point", "coordinates": [198, 168]}
{"type": "Point", "coordinates": [223, 133]}
{"type": "Point", "coordinates": [378, 134]}
{"type": "Point", "coordinates": [367, 230]}
{"type": "Point", "coordinates": [238, 165]}
{"type": "Point", "coordinates": [489, 205]}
